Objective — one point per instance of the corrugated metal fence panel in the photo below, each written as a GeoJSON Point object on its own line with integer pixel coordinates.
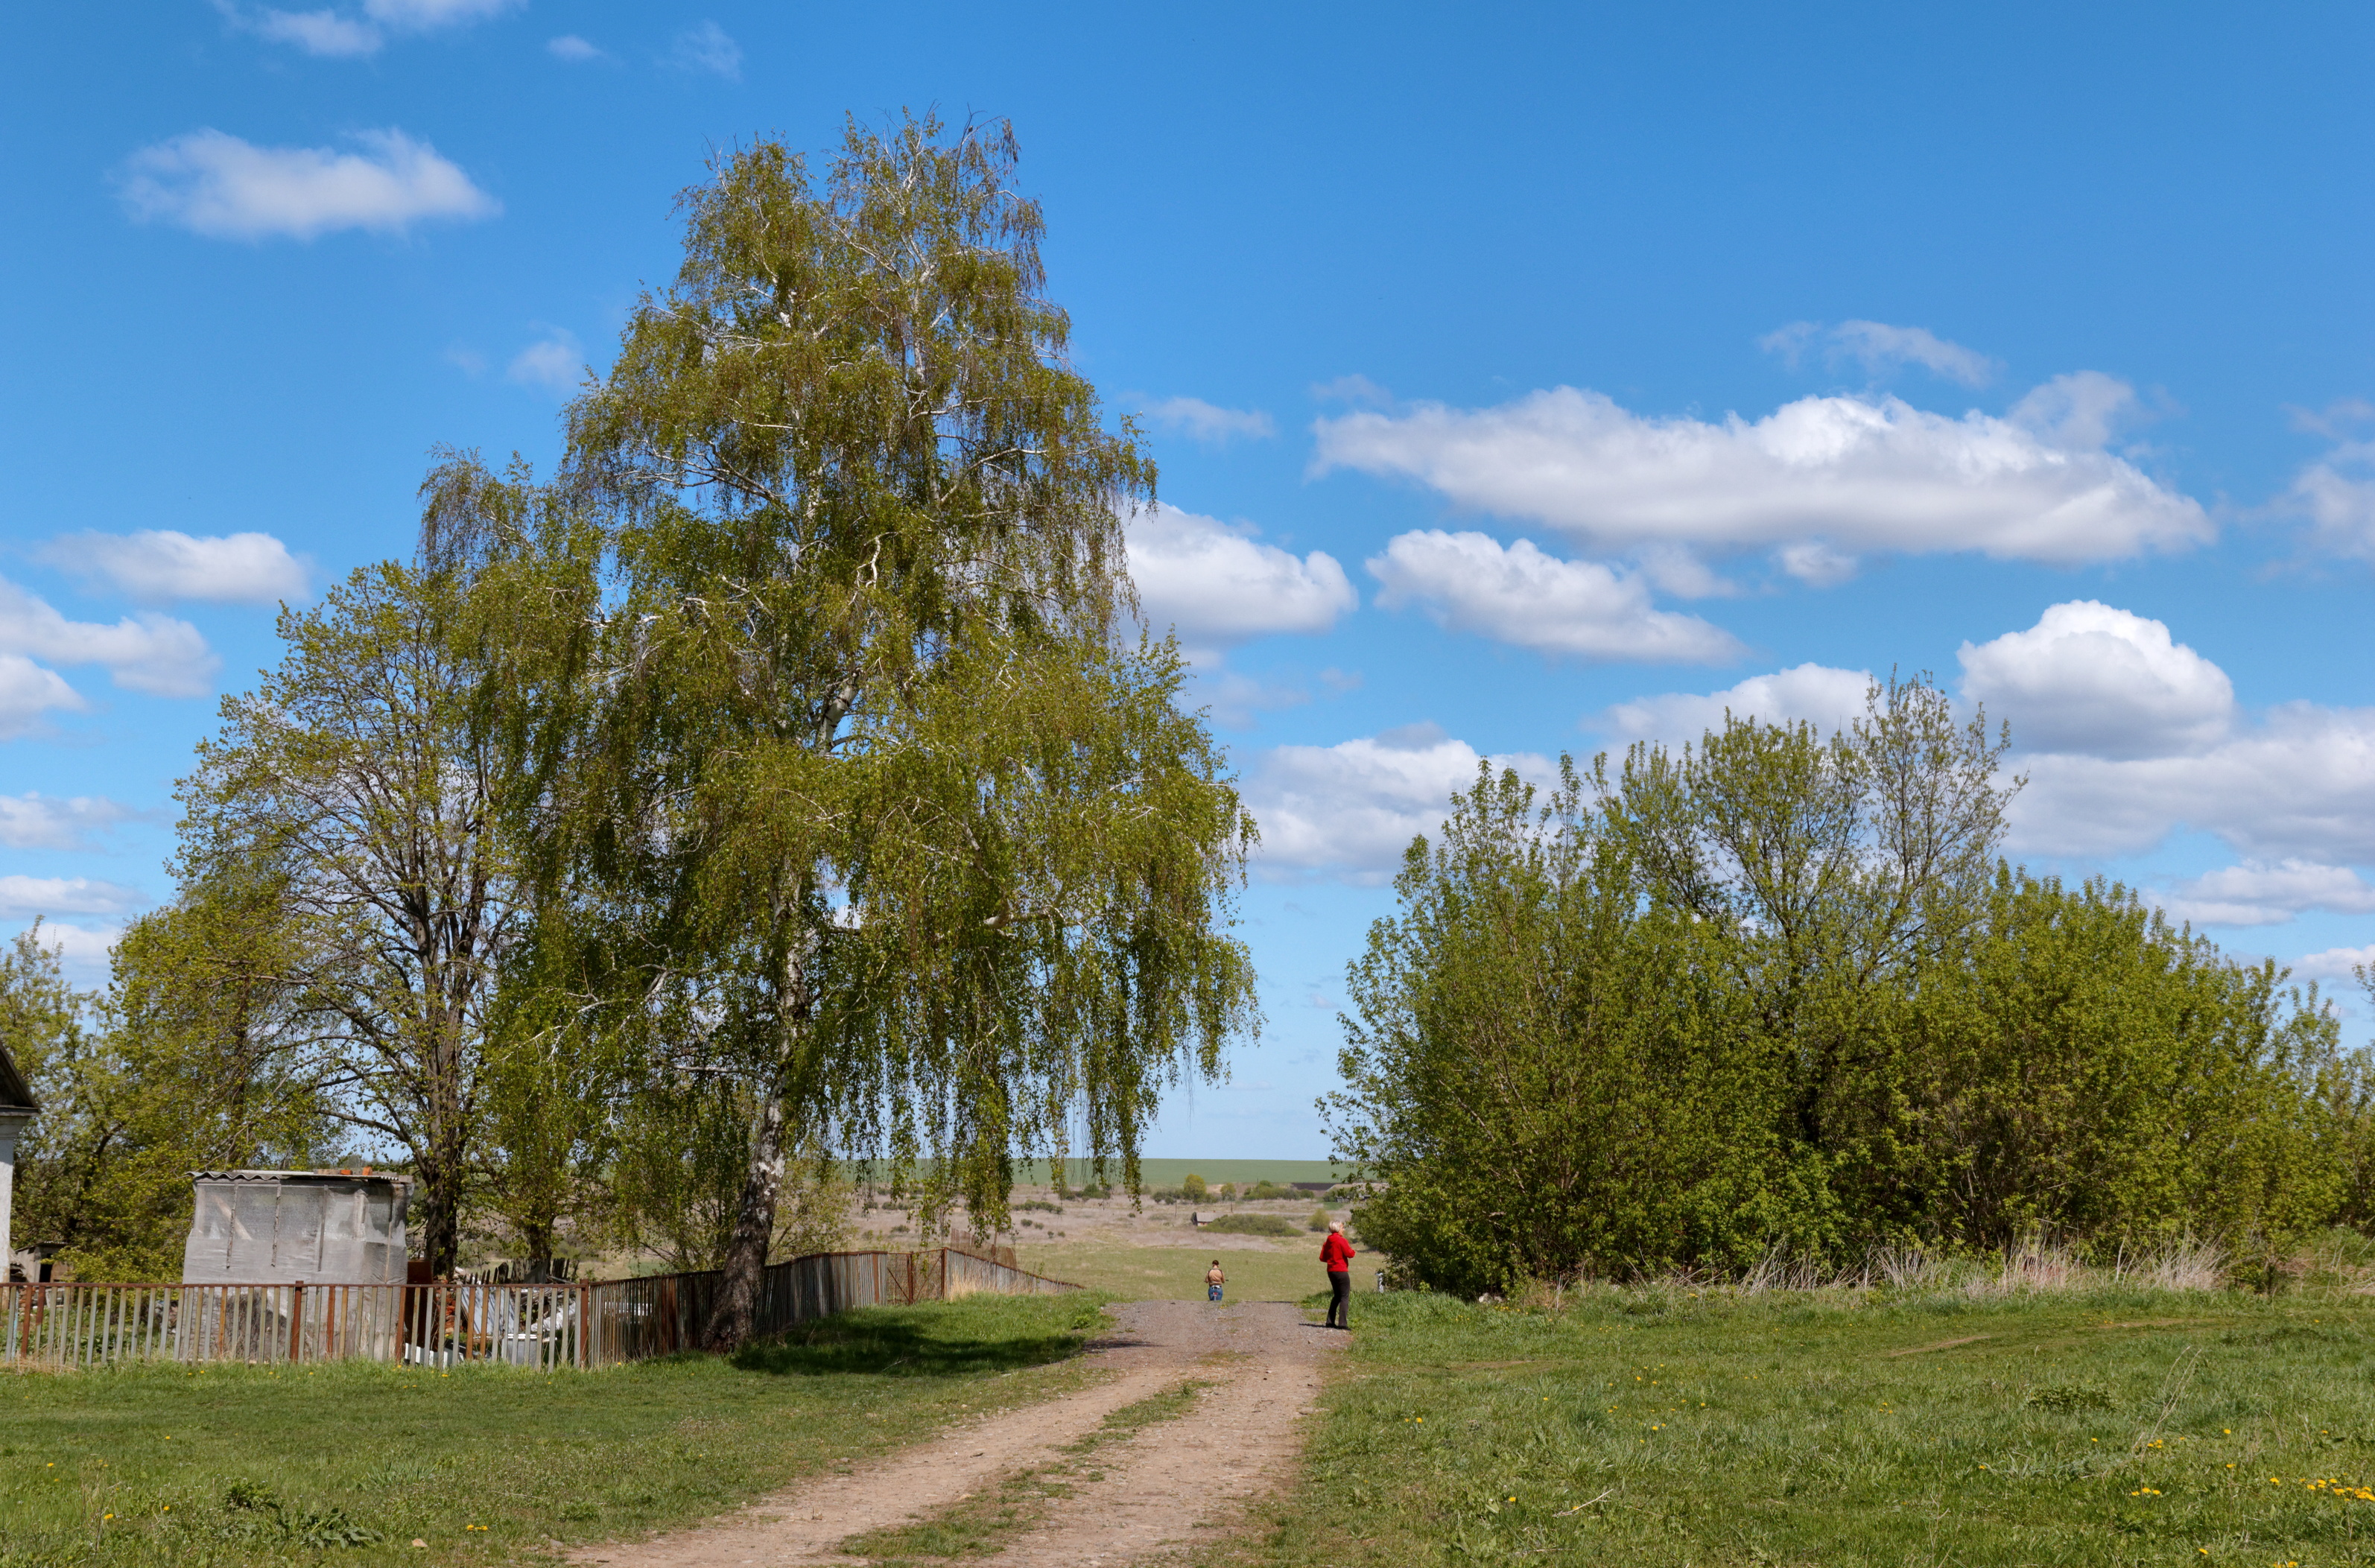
{"type": "Point", "coordinates": [441, 1325]}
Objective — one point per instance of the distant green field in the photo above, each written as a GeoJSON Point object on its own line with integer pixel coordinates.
{"type": "Point", "coordinates": [1170, 1173]}
{"type": "Point", "coordinates": [1288, 1273]}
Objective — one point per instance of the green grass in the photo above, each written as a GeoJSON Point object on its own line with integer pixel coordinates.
{"type": "Point", "coordinates": [2117, 1428]}
{"type": "Point", "coordinates": [241, 1466]}
{"type": "Point", "coordinates": [984, 1526]}
{"type": "Point", "coordinates": [1177, 1273]}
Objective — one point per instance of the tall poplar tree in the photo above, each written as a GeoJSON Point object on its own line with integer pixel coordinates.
{"type": "Point", "coordinates": [871, 799]}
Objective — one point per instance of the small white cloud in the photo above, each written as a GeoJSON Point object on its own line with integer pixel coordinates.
{"type": "Point", "coordinates": [28, 692]}
{"type": "Point", "coordinates": [425, 15]}
{"type": "Point", "coordinates": [218, 185]}
{"type": "Point", "coordinates": [1810, 693]}
{"type": "Point", "coordinates": [83, 951]}
{"type": "Point", "coordinates": [466, 359]}
{"type": "Point", "coordinates": [2090, 678]}
{"type": "Point", "coordinates": [2260, 893]}
{"type": "Point", "coordinates": [2334, 963]}
{"type": "Point", "coordinates": [555, 362]}
{"type": "Point", "coordinates": [324, 33]}
{"type": "Point", "coordinates": [159, 565]}
{"type": "Point", "coordinates": [38, 822]}
{"type": "Point", "coordinates": [1220, 585]}
{"type": "Point", "coordinates": [2337, 493]}
{"type": "Point", "coordinates": [1356, 390]}
{"type": "Point", "coordinates": [707, 48]}
{"type": "Point", "coordinates": [2079, 412]}
{"type": "Point", "coordinates": [1348, 810]}
{"type": "Point", "coordinates": [1879, 347]}
{"type": "Point", "coordinates": [336, 35]}
{"type": "Point", "coordinates": [1853, 473]}
{"type": "Point", "coordinates": [1210, 422]}
{"type": "Point", "coordinates": [21, 898]}
{"type": "Point", "coordinates": [570, 47]}
{"type": "Point", "coordinates": [1470, 583]}
{"type": "Point", "coordinates": [150, 653]}
{"type": "Point", "coordinates": [1816, 564]}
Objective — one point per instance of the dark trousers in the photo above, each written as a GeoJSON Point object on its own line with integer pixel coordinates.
{"type": "Point", "coordinates": [1339, 1298]}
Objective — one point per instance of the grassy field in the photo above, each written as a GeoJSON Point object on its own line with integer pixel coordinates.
{"type": "Point", "coordinates": [1848, 1432]}
{"type": "Point", "coordinates": [1287, 1273]}
{"type": "Point", "coordinates": [352, 1463]}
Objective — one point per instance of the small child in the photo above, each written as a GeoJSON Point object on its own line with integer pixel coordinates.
{"type": "Point", "coordinates": [1214, 1280]}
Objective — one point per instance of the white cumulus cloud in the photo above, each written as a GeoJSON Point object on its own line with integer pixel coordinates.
{"type": "Point", "coordinates": [2298, 781]}
{"type": "Point", "coordinates": [554, 361]}
{"type": "Point", "coordinates": [21, 898]}
{"type": "Point", "coordinates": [28, 692]}
{"type": "Point", "coordinates": [1469, 582]}
{"type": "Point", "coordinates": [216, 184]}
{"type": "Point", "coordinates": [1208, 421]}
{"type": "Point", "coordinates": [2259, 893]}
{"type": "Point", "coordinates": [158, 565]}
{"type": "Point", "coordinates": [2334, 963]}
{"type": "Point", "coordinates": [1221, 585]}
{"type": "Point", "coordinates": [1810, 693]}
{"type": "Point", "coordinates": [2106, 682]}
{"type": "Point", "coordinates": [83, 950]}
{"type": "Point", "coordinates": [570, 47]}
{"type": "Point", "coordinates": [1348, 810]}
{"type": "Point", "coordinates": [40, 822]}
{"type": "Point", "coordinates": [1879, 347]}
{"type": "Point", "coordinates": [149, 653]}
{"type": "Point", "coordinates": [1848, 473]}
{"type": "Point", "coordinates": [707, 48]}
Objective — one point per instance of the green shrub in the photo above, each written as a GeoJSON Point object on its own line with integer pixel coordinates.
{"type": "Point", "coordinates": [1252, 1225]}
{"type": "Point", "coordinates": [1192, 1186]}
{"type": "Point", "coordinates": [1321, 1220]}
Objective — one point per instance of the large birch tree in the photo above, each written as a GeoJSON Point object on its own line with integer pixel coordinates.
{"type": "Point", "coordinates": [874, 798]}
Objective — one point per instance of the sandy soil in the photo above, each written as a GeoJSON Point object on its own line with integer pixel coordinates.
{"type": "Point", "coordinates": [1165, 1489]}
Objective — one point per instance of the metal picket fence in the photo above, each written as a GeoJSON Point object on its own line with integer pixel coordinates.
{"type": "Point", "coordinates": [584, 1324]}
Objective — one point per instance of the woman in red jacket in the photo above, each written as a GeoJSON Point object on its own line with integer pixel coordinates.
{"type": "Point", "coordinates": [1337, 1253]}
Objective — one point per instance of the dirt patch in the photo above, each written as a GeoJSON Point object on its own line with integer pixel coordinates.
{"type": "Point", "coordinates": [1941, 1345]}
{"type": "Point", "coordinates": [1169, 1486]}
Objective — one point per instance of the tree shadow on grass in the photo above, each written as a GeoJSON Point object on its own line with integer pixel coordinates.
{"type": "Point", "coordinates": [919, 1342]}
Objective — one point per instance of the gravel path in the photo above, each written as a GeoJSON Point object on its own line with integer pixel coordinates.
{"type": "Point", "coordinates": [1164, 1489]}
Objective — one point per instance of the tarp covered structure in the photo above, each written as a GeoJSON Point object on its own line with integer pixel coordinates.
{"type": "Point", "coordinates": [279, 1227]}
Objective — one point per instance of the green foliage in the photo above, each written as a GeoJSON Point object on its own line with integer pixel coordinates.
{"type": "Point", "coordinates": [1192, 1188]}
{"type": "Point", "coordinates": [1776, 994]}
{"type": "Point", "coordinates": [1253, 1225]}
{"type": "Point", "coordinates": [189, 1062]}
{"type": "Point", "coordinates": [864, 803]}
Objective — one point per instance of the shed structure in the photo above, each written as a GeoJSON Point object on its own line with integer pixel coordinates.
{"type": "Point", "coordinates": [18, 1107]}
{"type": "Point", "coordinates": [284, 1227]}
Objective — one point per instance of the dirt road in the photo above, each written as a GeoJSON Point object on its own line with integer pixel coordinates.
{"type": "Point", "coordinates": [1161, 1491]}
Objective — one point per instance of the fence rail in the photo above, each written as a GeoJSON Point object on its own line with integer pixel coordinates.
{"type": "Point", "coordinates": [585, 1324]}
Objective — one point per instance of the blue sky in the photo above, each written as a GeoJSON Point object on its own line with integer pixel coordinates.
{"type": "Point", "coordinates": [1523, 380]}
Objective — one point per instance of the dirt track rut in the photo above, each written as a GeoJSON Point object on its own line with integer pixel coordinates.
{"type": "Point", "coordinates": [1171, 1485]}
